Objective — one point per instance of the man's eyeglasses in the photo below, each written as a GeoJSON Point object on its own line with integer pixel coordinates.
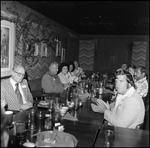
{"type": "Point", "coordinates": [19, 74]}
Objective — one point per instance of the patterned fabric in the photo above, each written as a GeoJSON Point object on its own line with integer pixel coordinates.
{"type": "Point", "coordinates": [9, 97]}
{"type": "Point", "coordinates": [142, 87]}
{"type": "Point", "coordinates": [128, 113]}
{"type": "Point", "coordinates": [17, 91]}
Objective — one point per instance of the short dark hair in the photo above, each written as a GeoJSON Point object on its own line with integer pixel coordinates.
{"type": "Point", "coordinates": [71, 63]}
{"type": "Point", "coordinates": [129, 77]}
{"type": "Point", "coordinates": [142, 69]}
{"type": "Point", "coordinates": [61, 66]}
{"type": "Point", "coordinates": [132, 66]}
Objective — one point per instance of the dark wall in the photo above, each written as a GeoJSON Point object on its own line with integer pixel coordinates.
{"type": "Point", "coordinates": [73, 49]}
{"type": "Point", "coordinates": [32, 28]}
{"type": "Point", "coordinates": [113, 50]}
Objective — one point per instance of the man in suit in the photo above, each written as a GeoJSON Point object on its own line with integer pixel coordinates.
{"type": "Point", "coordinates": [15, 92]}
{"type": "Point", "coordinates": [128, 110]}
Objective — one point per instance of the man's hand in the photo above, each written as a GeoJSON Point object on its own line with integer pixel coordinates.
{"type": "Point", "coordinates": [26, 106]}
{"type": "Point", "coordinates": [100, 102]}
{"type": "Point", "coordinates": [66, 86]}
{"type": "Point", "coordinates": [98, 108]}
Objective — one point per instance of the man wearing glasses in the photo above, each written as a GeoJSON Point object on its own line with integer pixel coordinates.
{"type": "Point", "coordinates": [15, 93]}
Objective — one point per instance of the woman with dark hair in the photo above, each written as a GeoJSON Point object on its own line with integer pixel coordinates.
{"type": "Point", "coordinates": [63, 74]}
{"type": "Point", "coordinates": [71, 76]}
{"type": "Point", "coordinates": [4, 134]}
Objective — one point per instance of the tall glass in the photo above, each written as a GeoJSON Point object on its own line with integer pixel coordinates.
{"type": "Point", "coordinates": [51, 105]}
{"type": "Point", "coordinates": [9, 117]}
{"type": "Point", "coordinates": [57, 104]}
{"type": "Point", "coordinates": [20, 132]}
{"type": "Point", "coordinates": [109, 138]}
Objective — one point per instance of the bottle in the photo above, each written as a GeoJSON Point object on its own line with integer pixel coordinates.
{"type": "Point", "coordinates": [29, 121]}
{"type": "Point", "coordinates": [97, 76]}
{"type": "Point", "coordinates": [49, 124]}
{"type": "Point", "coordinates": [32, 117]}
{"type": "Point", "coordinates": [68, 94]}
{"type": "Point", "coordinates": [92, 77]}
{"type": "Point", "coordinates": [40, 121]}
{"type": "Point", "coordinates": [101, 88]}
{"type": "Point", "coordinates": [89, 86]}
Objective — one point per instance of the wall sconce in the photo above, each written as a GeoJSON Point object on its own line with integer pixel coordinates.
{"type": "Point", "coordinates": [56, 40]}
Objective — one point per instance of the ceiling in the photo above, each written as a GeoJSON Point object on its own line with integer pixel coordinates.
{"type": "Point", "coordinates": [97, 17]}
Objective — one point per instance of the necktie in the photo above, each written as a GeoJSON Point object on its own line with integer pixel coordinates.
{"type": "Point", "coordinates": [19, 96]}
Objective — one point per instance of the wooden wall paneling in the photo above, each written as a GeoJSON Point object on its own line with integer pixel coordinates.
{"type": "Point", "coordinates": [72, 49]}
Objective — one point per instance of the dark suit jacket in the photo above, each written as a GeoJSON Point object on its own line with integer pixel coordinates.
{"type": "Point", "coordinates": [8, 94]}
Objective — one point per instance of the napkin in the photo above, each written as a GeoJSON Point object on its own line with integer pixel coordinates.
{"type": "Point", "coordinates": [55, 139]}
{"type": "Point", "coordinates": [68, 116]}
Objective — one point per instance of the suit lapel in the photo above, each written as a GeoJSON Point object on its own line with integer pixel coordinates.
{"type": "Point", "coordinates": [12, 91]}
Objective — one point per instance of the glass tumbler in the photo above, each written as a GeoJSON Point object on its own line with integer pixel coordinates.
{"type": "Point", "coordinates": [109, 138]}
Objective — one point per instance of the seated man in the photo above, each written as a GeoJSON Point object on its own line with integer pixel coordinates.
{"type": "Point", "coordinates": [50, 80]}
{"type": "Point", "coordinates": [141, 83]}
{"type": "Point", "coordinates": [128, 110]}
{"type": "Point", "coordinates": [15, 92]}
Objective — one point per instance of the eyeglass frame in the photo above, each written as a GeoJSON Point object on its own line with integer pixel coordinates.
{"type": "Point", "coordinates": [19, 74]}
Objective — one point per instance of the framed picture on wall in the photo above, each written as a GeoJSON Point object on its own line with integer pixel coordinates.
{"type": "Point", "coordinates": [58, 48]}
{"type": "Point", "coordinates": [7, 47]}
{"type": "Point", "coordinates": [43, 49]}
{"type": "Point", "coordinates": [63, 51]}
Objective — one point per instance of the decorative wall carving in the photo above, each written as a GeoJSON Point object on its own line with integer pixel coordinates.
{"type": "Point", "coordinates": [30, 31]}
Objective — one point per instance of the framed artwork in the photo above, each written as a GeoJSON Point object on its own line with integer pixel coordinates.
{"type": "Point", "coordinates": [58, 48]}
{"type": "Point", "coordinates": [7, 47]}
{"type": "Point", "coordinates": [63, 51]}
{"type": "Point", "coordinates": [43, 49]}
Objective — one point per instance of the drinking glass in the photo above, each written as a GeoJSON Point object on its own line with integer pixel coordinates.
{"type": "Point", "coordinates": [51, 105]}
{"type": "Point", "coordinates": [109, 138]}
{"type": "Point", "coordinates": [9, 117]}
{"type": "Point", "coordinates": [20, 132]}
{"type": "Point", "coordinates": [57, 104]}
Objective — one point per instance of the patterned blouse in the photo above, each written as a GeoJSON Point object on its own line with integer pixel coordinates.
{"type": "Point", "coordinates": [142, 87]}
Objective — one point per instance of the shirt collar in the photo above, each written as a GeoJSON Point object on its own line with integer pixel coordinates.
{"type": "Point", "coordinates": [12, 81]}
{"type": "Point", "coordinates": [122, 97]}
